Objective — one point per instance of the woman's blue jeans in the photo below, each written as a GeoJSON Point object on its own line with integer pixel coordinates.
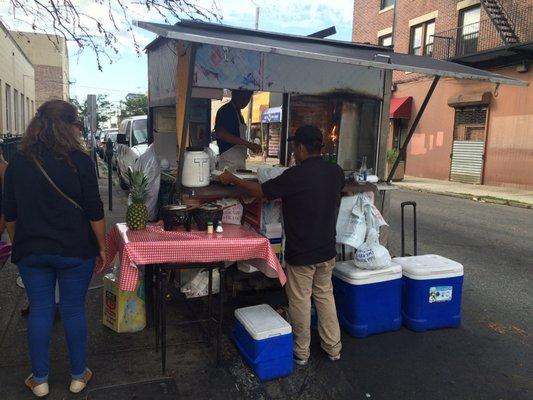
{"type": "Point", "coordinates": [39, 274]}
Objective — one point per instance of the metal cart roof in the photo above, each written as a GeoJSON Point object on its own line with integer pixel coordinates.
{"type": "Point", "coordinates": [318, 49]}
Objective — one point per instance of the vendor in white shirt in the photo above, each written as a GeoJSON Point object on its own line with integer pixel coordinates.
{"type": "Point", "coordinates": [231, 132]}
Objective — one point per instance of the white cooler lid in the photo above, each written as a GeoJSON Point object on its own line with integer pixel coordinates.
{"type": "Point", "coordinates": [429, 266]}
{"type": "Point", "coordinates": [262, 322]}
{"type": "Point", "coordinates": [348, 272]}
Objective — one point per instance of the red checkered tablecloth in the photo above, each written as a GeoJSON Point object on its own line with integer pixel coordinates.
{"type": "Point", "coordinates": [154, 245]}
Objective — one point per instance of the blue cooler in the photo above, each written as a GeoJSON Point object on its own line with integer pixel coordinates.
{"type": "Point", "coordinates": [264, 339]}
{"type": "Point", "coordinates": [368, 301]}
{"type": "Point", "coordinates": [431, 293]}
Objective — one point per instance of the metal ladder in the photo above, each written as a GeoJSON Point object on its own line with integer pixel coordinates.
{"type": "Point", "coordinates": [499, 18]}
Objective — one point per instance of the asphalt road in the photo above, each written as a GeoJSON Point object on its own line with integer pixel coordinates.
{"type": "Point", "coordinates": [489, 357]}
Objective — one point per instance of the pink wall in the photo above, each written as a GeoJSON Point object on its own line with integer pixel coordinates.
{"type": "Point", "coordinates": [509, 154]}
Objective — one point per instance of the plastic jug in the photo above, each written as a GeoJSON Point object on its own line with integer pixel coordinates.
{"type": "Point", "coordinates": [195, 168]}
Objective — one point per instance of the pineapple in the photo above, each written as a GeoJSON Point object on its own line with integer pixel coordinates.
{"type": "Point", "coordinates": [137, 213]}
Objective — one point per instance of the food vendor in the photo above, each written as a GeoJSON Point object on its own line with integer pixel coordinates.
{"type": "Point", "coordinates": [230, 130]}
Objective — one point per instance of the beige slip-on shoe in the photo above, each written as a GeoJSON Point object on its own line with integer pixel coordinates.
{"type": "Point", "coordinates": [38, 389]}
{"type": "Point", "coordinates": [77, 385]}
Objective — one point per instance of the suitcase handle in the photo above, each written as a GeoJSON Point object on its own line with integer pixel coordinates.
{"type": "Point", "coordinates": [415, 234]}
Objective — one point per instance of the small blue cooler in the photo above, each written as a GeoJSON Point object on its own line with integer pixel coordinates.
{"type": "Point", "coordinates": [368, 301]}
{"type": "Point", "coordinates": [264, 339]}
{"type": "Point", "coordinates": [431, 293]}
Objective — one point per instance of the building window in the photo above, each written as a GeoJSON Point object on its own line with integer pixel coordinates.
{"type": "Point", "coordinates": [469, 30]}
{"type": "Point", "coordinates": [15, 111]}
{"type": "Point", "coordinates": [32, 109]}
{"type": "Point", "coordinates": [421, 42]}
{"type": "Point", "coordinates": [387, 3]}
{"type": "Point", "coordinates": [22, 112]}
{"type": "Point", "coordinates": [8, 108]}
{"type": "Point", "coordinates": [29, 116]}
{"type": "Point", "coordinates": [385, 40]}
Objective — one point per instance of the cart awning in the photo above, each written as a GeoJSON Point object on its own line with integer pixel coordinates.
{"type": "Point", "coordinates": [400, 107]}
{"type": "Point", "coordinates": [319, 49]}
{"type": "Point", "coordinates": [270, 115]}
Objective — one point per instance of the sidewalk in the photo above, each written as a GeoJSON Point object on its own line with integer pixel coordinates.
{"type": "Point", "coordinates": [489, 194]}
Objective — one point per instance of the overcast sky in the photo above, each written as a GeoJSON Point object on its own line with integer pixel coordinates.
{"type": "Point", "coordinates": [128, 73]}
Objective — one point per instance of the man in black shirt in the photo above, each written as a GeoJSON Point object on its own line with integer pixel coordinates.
{"type": "Point", "coordinates": [310, 194]}
{"type": "Point", "coordinates": [231, 132]}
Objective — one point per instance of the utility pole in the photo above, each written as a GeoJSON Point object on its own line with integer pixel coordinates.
{"type": "Point", "coordinates": [251, 106]}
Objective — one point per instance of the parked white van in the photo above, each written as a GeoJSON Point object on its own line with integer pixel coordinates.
{"type": "Point", "coordinates": [132, 142]}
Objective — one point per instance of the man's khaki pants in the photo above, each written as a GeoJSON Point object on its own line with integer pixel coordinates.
{"type": "Point", "coordinates": [304, 281]}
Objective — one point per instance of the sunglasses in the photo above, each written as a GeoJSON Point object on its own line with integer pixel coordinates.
{"type": "Point", "coordinates": [78, 124]}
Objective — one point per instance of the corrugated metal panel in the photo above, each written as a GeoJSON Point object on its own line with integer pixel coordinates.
{"type": "Point", "coordinates": [467, 161]}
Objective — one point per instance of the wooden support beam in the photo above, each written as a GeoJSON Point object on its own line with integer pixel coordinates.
{"type": "Point", "coordinates": [184, 78]}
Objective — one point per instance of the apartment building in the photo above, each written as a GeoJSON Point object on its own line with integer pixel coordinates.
{"type": "Point", "coordinates": [471, 132]}
{"type": "Point", "coordinates": [17, 86]}
{"type": "Point", "coordinates": [49, 56]}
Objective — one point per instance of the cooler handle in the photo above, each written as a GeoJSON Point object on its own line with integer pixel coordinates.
{"type": "Point", "coordinates": [415, 234]}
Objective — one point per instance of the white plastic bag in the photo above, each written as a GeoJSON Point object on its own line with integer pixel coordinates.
{"type": "Point", "coordinates": [357, 216]}
{"type": "Point", "coordinates": [267, 173]}
{"type": "Point", "coordinates": [151, 166]}
{"type": "Point", "coordinates": [351, 222]}
{"type": "Point", "coordinates": [371, 254]}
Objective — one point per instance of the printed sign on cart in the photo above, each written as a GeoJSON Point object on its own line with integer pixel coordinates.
{"type": "Point", "coordinates": [440, 294]}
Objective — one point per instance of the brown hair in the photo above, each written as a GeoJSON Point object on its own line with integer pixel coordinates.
{"type": "Point", "coordinates": [51, 131]}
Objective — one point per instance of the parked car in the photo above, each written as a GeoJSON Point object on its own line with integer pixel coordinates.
{"type": "Point", "coordinates": [132, 142]}
{"type": "Point", "coordinates": [106, 135]}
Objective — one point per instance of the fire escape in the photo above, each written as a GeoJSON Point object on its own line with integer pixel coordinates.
{"type": "Point", "coordinates": [502, 36]}
{"type": "Point", "coordinates": [500, 19]}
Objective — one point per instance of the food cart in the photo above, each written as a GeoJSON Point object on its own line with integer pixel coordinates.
{"type": "Point", "coordinates": [344, 88]}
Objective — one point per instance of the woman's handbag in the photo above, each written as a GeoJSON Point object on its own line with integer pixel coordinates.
{"type": "Point", "coordinates": [55, 186]}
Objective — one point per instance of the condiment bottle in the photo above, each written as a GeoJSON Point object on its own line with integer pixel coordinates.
{"type": "Point", "coordinates": [210, 228]}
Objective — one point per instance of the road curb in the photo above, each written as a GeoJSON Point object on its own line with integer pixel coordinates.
{"type": "Point", "coordinates": [467, 196]}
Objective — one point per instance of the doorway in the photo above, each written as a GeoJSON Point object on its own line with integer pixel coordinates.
{"type": "Point", "coordinates": [468, 150]}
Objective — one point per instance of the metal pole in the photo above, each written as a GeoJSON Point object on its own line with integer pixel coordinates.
{"type": "Point", "coordinates": [251, 105]}
{"type": "Point", "coordinates": [109, 158]}
{"type": "Point", "coordinates": [403, 149]}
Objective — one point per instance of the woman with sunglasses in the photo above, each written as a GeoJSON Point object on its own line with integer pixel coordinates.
{"type": "Point", "coordinates": [55, 219]}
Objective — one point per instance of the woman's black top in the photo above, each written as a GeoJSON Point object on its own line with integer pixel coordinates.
{"type": "Point", "coordinates": [46, 222]}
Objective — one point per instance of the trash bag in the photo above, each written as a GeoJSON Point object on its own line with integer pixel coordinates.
{"type": "Point", "coordinates": [371, 254]}
{"type": "Point", "coordinates": [151, 166]}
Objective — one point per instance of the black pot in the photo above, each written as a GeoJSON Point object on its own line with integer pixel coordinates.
{"type": "Point", "coordinates": [175, 216]}
{"type": "Point", "coordinates": [206, 213]}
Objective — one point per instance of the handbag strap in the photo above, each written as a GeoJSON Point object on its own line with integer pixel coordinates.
{"type": "Point", "coordinates": [55, 186]}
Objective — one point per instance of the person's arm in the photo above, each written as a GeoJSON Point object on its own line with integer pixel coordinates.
{"type": "Point", "coordinates": [9, 204]}
{"type": "Point", "coordinates": [224, 135]}
{"type": "Point", "coordinates": [91, 203]}
{"type": "Point", "coordinates": [98, 228]}
{"type": "Point", "coordinates": [226, 120]}
{"type": "Point", "coordinates": [254, 188]}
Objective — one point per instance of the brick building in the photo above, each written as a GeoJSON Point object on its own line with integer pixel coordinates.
{"type": "Point", "coordinates": [49, 55]}
{"type": "Point", "coordinates": [471, 131]}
